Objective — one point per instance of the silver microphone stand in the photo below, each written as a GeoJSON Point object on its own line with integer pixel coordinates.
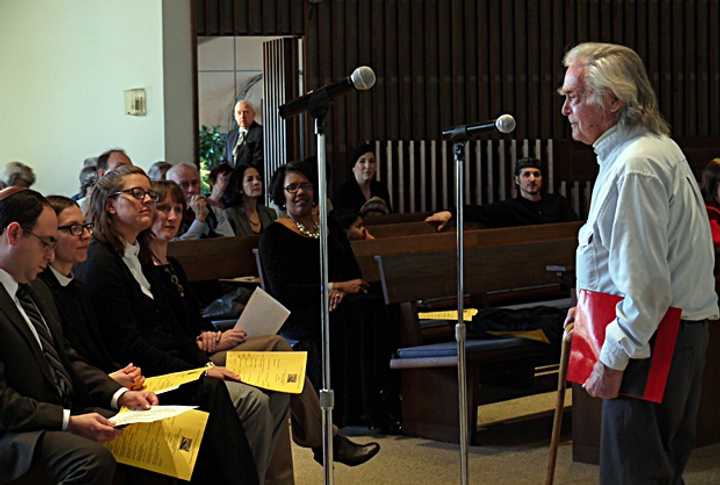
{"type": "Point", "coordinates": [327, 396]}
{"type": "Point", "coordinates": [460, 330]}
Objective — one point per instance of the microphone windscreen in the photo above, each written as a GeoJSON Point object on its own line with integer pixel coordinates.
{"type": "Point", "coordinates": [505, 124]}
{"type": "Point", "coordinates": [363, 78]}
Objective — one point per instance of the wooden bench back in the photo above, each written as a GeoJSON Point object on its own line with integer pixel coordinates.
{"type": "Point", "coordinates": [365, 251]}
{"type": "Point", "coordinates": [221, 257]}
{"type": "Point", "coordinates": [511, 266]}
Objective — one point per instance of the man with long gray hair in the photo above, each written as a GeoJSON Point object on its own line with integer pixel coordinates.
{"type": "Point", "coordinates": [646, 239]}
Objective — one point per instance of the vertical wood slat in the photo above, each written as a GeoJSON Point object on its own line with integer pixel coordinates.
{"type": "Point", "coordinates": [280, 61]}
{"type": "Point", "coordinates": [441, 63]}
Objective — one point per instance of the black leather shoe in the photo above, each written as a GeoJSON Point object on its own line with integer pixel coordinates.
{"type": "Point", "coordinates": [347, 452]}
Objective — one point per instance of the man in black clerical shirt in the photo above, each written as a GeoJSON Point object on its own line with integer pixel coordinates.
{"type": "Point", "coordinates": [531, 206]}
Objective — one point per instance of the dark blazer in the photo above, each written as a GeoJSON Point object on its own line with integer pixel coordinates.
{"type": "Point", "coordinates": [142, 330]}
{"type": "Point", "coordinates": [241, 225]}
{"type": "Point", "coordinates": [251, 151]}
{"type": "Point", "coordinates": [29, 403]}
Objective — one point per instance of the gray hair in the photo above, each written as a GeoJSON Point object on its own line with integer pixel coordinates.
{"type": "Point", "coordinates": [170, 174]}
{"type": "Point", "coordinates": [616, 69]}
{"type": "Point", "coordinates": [17, 173]}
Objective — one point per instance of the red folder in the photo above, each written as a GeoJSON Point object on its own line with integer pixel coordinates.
{"type": "Point", "coordinates": [643, 378]}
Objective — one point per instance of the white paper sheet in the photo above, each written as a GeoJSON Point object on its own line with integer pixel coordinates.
{"type": "Point", "coordinates": [155, 413]}
{"type": "Point", "coordinates": [263, 315]}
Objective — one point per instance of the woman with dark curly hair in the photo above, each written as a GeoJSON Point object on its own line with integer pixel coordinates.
{"type": "Point", "coordinates": [289, 250]}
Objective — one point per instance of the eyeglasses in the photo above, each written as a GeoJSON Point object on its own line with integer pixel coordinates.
{"type": "Point", "coordinates": [292, 188]}
{"type": "Point", "coordinates": [48, 242]}
{"type": "Point", "coordinates": [139, 193]}
{"type": "Point", "coordinates": [78, 229]}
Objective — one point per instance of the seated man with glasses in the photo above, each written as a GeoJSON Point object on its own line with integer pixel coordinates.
{"type": "Point", "coordinates": [76, 311]}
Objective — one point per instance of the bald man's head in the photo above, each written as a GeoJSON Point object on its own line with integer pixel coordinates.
{"type": "Point", "coordinates": [244, 114]}
{"type": "Point", "coordinates": [187, 177]}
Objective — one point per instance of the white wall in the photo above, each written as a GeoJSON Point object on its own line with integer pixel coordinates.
{"type": "Point", "coordinates": [65, 65]}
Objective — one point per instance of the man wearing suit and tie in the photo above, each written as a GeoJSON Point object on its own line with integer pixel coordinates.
{"type": "Point", "coordinates": [44, 384]}
{"type": "Point", "coordinates": [245, 145]}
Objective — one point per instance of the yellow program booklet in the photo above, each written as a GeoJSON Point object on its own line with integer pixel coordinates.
{"type": "Point", "coordinates": [169, 447]}
{"type": "Point", "coordinates": [275, 371]}
{"type": "Point", "coordinates": [451, 315]}
{"type": "Point", "coordinates": [170, 382]}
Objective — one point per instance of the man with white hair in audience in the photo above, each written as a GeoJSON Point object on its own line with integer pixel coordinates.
{"type": "Point", "coordinates": [204, 217]}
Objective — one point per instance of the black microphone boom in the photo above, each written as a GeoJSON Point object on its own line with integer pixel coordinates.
{"type": "Point", "coordinates": [361, 79]}
{"type": "Point", "coordinates": [504, 124]}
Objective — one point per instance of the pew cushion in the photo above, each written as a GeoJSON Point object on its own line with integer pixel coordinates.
{"type": "Point", "coordinates": [485, 350]}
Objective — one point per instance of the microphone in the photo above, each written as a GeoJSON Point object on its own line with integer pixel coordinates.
{"type": "Point", "coordinates": [504, 124]}
{"type": "Point", "coordinates": [361, 79]}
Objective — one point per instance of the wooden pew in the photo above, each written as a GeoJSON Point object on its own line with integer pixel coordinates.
{"type": "Point", "coordinates": [429, 372]}
{"type": "Point", "coordinates": [220, 257]}
{"type": "Point", "coordinates": [365, 251]}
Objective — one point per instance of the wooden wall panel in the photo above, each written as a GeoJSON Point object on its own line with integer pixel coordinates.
{"type": "Point", "coordinates": [445, 62]}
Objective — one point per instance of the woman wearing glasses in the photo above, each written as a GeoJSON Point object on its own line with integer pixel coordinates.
{"type": "Point", "coordinates": [289, 250]}
{"type": "Point", "coordinates": [139, 326]}
{"type": "Point", "coordinates": [76, 311]}
{"type": "Point", "coordinates": [172, 284]}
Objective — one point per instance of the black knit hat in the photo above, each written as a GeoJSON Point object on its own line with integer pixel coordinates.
{"type": "Point", "coordinates": [527, 163]}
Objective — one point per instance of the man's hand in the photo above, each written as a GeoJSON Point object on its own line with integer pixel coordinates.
{"type": "Point", "coordinates": [570, 318]}
{"type": "Point", "coordinates": [199, 206]}
{"type": "Point", "coordinates": [93, 426]}
{"type": "Point", "coordinates": [129, 376]}
{"type": "Point", "coordinates": [208, 341]}
{"type": "Point", "coordinates": [138, 400]}
{"type": "Point", "coordinates": [439, 219]}
{"type": "Point", "coordinates": [603, 382]}
{"type": "Point", "coordinates": [231, 339]}
{"type": "Point", "coordinates": [219, 188]}
{"type": "Point", "coordinates": [222, 373]}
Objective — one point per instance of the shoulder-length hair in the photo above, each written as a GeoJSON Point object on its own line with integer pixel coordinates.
{"type": "Point", "coordinates": [106, 187]}
{"type": "Point", "coordinates": [616, 69]}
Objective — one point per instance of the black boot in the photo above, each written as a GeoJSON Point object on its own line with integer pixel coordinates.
{"type": "Point", "coordinates": [347, 452]}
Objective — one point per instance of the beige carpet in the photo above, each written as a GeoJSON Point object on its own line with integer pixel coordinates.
{"type": "Point", "coordinates": [513, 452]}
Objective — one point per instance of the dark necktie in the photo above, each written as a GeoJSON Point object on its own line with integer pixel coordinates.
{"type": "Point", "coordinates": [63, 382]}
{"type": "Point", "coordinates": [236, 150]}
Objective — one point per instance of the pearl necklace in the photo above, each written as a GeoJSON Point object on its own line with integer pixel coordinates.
{"type": "Point", "coordinates": [305, 231]}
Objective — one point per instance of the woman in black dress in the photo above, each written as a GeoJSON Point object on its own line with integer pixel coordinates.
{"type": "Point", "coordinates": [362, 186]}
{"type": "Point", "coordinates": [289, 250]}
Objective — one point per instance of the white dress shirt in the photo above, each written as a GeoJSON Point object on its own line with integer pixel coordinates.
{"type": "Point", "coordinates": [131, 260]}
{"type": "Point", "coordinates": [647, 239]}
